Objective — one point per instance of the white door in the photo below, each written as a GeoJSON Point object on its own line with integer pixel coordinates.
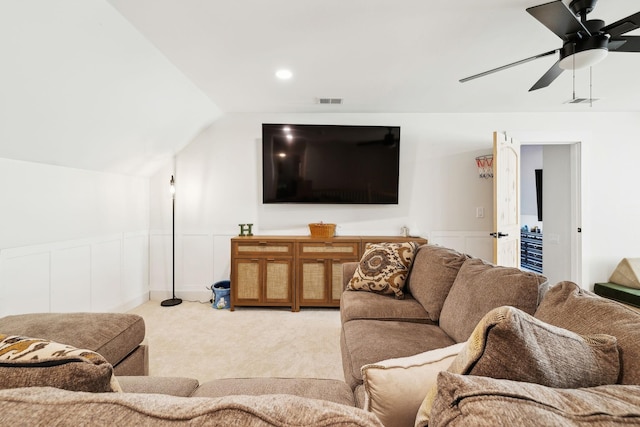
{"type": "Point", "coordinates": [506, 200]}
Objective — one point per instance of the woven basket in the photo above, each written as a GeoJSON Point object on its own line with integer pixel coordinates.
{"type": "Point", "coordinates": [320, 229]}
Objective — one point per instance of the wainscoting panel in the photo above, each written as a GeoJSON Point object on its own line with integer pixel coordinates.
{"type": "Point", "coordinates": [106, 270]}
{"type": "Point", "coordinates": [202, 259]}
{"type": "Point", "coordinates": [475, 243]}
{"type": "Point", "coordinates": [135, 266]}
{"type": "Point", "coordinates": [197, 260]}
{"type": "Point", "coordinates": [160, 270]}
{"type": "Point", "coordinates": [107, 273]}
{"type": "Point", "coordinates": [70, 274]}
{"type": "Point", "coordinates": [222, 257]}
{"type": "Point", "coordinates": [25, 283]}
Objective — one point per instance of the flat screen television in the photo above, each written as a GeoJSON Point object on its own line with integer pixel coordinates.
{"type": "Point", "coordinates": [330, 164]}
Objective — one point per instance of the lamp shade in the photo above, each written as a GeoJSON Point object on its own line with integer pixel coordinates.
{"type": "Point", "coordinates": [587, 52]}
{"type": "Point", "coordinates": [586, 58]}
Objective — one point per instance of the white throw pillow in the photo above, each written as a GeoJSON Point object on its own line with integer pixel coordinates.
{"type": "Point", "coordinates": [395, 388]}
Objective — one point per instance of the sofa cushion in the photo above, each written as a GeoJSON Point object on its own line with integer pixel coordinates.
{"type": "Point", "coordinates": [39, 406]}
{"type": "Point", "coordinates": [312, 388]}
{"type": "Point", "coordinates": [370, 341]}
{"type": "Point", "coordinates": [113, 335]}
{"type": "Point", "coordinates": [384, 268]}
{"type": "Point", "coordinates": [395, 388]}
{"type": "Point", "coordinates": [511, 344]}
{"type": "Point", "coordinates": [479, 288]}
{"type": "Point", "coordinates": [34, 362]}
{"type": "Point", "coordinates": [173, 386]}
{"type": "Point", "coordinates": [432, 274]}
{"type": "Point", "coordinates": [367, 305]}
{"type": "Point", "coordinates": [568, 306]}
{"type": "Point", "coordinates": [481, 401]}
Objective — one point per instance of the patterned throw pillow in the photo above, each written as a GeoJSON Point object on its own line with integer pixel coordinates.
{"type": "Point", "coordinates": [34, 362]}
{"type": "Point", "coordinates": [383, 268]}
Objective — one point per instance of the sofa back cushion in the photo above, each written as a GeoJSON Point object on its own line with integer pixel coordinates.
{"type": "Point", "coordinates": [479, 288]}
{"type": "Point", "coordinates": [35, 406]}
{"type": "Point", "coordinates": [568, 306]}
{"type": "Point", "coordinates": [480, 401]}
{"type": "Point", "coordinates": [433, 272]}
{"type": "Point", "coordinates": [510, 344]}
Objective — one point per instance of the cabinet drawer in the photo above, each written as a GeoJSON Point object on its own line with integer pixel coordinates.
{"type": "Point", "coordinates": [263, 247]}
{"type": "Point", "coordinates": [328, 249]}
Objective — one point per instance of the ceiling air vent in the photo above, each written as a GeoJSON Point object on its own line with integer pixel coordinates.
{"type": "Point", "coordinates": [329, 101]}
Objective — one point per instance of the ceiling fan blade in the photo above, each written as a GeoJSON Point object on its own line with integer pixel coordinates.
{"type": "Point", "coordinates": [548, 77]}
{"type": "Point", "coordinates": [504, 67]}
{"type": "Point", "coordinates": [625, 44]}
{"type": "Point", "coordinates": [624, 25]}
{"type": "Point", "coordinates": [557, 17]}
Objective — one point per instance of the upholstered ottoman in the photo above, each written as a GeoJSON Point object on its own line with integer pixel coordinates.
{"type": "Point", "coordinates": [118, 337]}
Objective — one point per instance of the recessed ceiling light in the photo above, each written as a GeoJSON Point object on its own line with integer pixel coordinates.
{"type": "Point", "coordinates": [284, 74]}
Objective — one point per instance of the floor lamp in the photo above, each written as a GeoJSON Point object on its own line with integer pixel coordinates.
{"type": "Point", "coordinates": [172, 301]}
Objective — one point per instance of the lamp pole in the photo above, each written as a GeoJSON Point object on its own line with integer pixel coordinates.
{"type": "Point", "coordinates": [172, 301]}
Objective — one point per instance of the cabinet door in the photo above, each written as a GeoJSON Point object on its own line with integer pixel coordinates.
{"type": "Point", "coordinates": [320, 282]}
{"type": "Point", "coordinates": [247, 281]}
{"type": "Point", "coordinates": [336, 281]}
{"type": "Point", "coordinates": [278, 281]}
{"type": "Point", "coordinates": [319, 279]}
{"type": "Point", "coordinates": [312, 282]}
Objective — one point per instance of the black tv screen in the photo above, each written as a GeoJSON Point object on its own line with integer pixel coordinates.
{"type": "Point", "coordinates": [330, 164]}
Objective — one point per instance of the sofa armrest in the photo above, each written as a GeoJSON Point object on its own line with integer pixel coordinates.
{"type": "Point", "coordinates": [348, 268]}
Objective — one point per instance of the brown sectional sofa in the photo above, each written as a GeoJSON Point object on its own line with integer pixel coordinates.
{"type": "Point", "coordinates": [447, 298]}
{"type": "Point", "coordinates": [152, 401]}
{"type": "Point", "coordinates": [447, 294]}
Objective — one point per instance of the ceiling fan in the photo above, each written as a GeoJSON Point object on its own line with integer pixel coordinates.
{"type": "Point", "coordinates": [585, 41]}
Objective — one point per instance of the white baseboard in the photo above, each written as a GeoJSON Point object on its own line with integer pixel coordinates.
{"type": "Point", "coordinates": [132, 303]}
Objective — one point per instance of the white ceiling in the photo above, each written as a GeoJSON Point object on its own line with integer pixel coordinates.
{"type": "Point", "coordinates": [122, 85]}
{"type": "Point", "coordinates": [379, 55]}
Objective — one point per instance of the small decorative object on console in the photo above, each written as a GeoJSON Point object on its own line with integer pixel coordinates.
{"type": "Point", "coordinates": [245, 230]}
{"type": "Point", "coordinates": [321, 229]}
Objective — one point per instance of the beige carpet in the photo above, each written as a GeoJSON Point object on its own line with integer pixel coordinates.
{"type": "Point", "coordinates": [197, 341]}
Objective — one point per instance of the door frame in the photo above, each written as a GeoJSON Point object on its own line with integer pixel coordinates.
{"type": "Point", "coordinates": [575, 202]}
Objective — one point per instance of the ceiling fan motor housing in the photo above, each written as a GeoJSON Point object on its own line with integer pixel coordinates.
{"type": "Point", "coordinates": [582, 7]}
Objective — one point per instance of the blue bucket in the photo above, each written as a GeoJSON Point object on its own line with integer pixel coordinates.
{"type": "Point", "coordinates": [221, 291]}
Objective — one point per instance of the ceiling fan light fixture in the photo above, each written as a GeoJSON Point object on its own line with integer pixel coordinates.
{"type": "Point", "coordinates": [586, 58]}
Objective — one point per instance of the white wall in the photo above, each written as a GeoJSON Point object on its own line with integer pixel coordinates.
{"type": "Point", "coordinates": [558, 232]}
{"type": "Point", "coordinates": [530, 160]}
{"type": "Point", "coordinates": [218, 182]}
{"type": "Point", "coordinates": [71, 239]}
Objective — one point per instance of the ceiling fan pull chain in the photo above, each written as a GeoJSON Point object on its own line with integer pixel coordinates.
{"type": "Point", "coordinates": [591, 87]}
{"type": "Point", "coordinates": [574, 71]}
